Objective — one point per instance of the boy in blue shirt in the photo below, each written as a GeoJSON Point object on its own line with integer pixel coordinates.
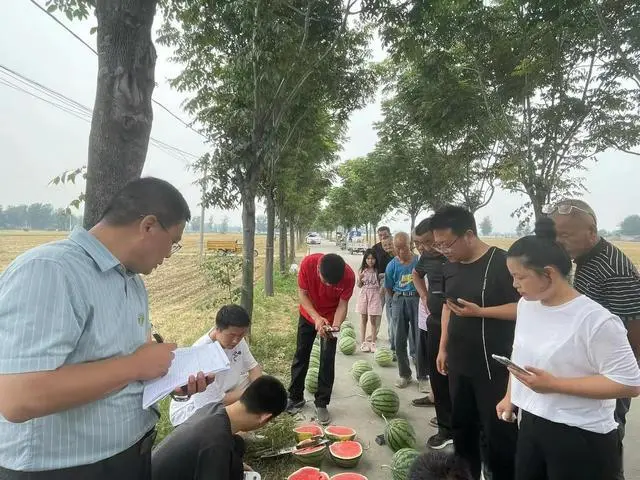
{"type": "Point", "coordinates": [398, 281]}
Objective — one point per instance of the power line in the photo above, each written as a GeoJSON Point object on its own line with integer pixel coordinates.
{"type": "Point", "coordinates": [72, 107]}
{"type": "Point", "coordinates": [51, 15]}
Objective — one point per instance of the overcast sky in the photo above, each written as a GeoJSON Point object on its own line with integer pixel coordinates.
{"type": "Point", "coordinates": [38, 141]}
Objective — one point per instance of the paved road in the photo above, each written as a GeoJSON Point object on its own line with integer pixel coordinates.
{"type": "Point", "coordinates": [349, 405]}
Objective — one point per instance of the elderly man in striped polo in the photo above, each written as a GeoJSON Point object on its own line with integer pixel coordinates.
{"type": "Point", "coordinates": [75, 344]}
{"type": "Point", "coordinates": [603, 273]}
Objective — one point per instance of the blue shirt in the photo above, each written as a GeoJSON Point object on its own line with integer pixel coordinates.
{"type": "Point", "coordinates": [64, 303]}
{"type": "Point", "coordinates": [398, 277]}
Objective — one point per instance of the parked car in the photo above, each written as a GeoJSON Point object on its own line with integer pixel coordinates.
{"type": "Point", "coordinates": [313, 239]}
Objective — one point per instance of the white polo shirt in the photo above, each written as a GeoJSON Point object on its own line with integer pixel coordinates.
{"type": "Point", "coordinates": [241, 361]}
{"type": "Point", "coordinates": [577, 339]}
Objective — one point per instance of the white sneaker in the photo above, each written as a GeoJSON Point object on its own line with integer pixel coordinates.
{"type": "Point", "coordinates": [403, 382]}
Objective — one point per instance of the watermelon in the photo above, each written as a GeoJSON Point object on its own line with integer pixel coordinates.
{"type": "Point", "coordinates": [399, 434]}
{"type": "Point", "coordinates": [402, 461]}
{"type": "Point", "coordinates": [315, 352]}
{"type": "Point", "coordinates": [350, 332]}
{"type": "Point", "coordinates": [370, 381]}
{"type": "Point", "coordinates": [307, 431]}
{"type": "Point", "coordinates": [359, 367]}
{"type": "Point", "coordinates": [310, 456]}
{"type": "Point", "coordinates": [384, 402]}
{"type": "Point", "coordinates": [383, 357]}
{"type": "Point", "coordinates": [346, 325]}
{"type": "Point", "coordinates": [314, 362]}
{"type": "Point", "coordinates": [339, 434]}
{"type": "Point", "coordinates": [311, 382]}
{"type": "Point", "coordinates": [308, 473]}
{"type": "Point", "coordinates": [345, 454]}
{"type": "Point", "coordinates": [347, 345]}
{"type": "Point", "coordinates": [349, 476]}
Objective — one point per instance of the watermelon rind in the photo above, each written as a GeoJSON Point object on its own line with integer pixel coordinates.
{"type": "Point", "coordinates": [369, 382]}
{"type": "Point", "coordinates": [349, 476]}
{"type": "Point", "coordinates": [346, 324]}
{"type": "Point", "coordinates": [384, 402]}
{"type": "Point", "coordinates": [399, 433]}
{"type": "Point", "coordinates": [359, 367]}
{"type": "Point", "coordinates": [311, 456]}
{"type": "Point", "coordinates": [314, 362]}
{"type": "Point", "coordinates": [349, 332]}
{"type": "Point", "coordinates": [311, 381]}
{"type": "Point", "coordinates": [308, 473]}
{"type": "Point", "coordinates": [341, 460]}
{"type": "Point", "coordinates": [383, 357]}
{"type": "Point", "coordinates": [347, 345]}
{"type": "Point", "coordinates": [402, 461]}
{"type": "Point", "coordinates": [307, 431]}
{"type": "Point", "coordinates": [333, 433]}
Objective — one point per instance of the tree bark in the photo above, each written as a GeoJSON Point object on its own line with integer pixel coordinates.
{"type": "Point", "coordinates": [282, 244]}
{"type": "Point", "coordinates": [268, 265]}
{"type": "Point", "coordinates": [292, 242]}
{"type": "Point", "coordinates": [248, 240]}
{"type": "Point", "coordinates": [122, 112]}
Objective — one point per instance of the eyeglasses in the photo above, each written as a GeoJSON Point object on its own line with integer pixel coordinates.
{"type": "Point", "coordinates": [445, 248]}
{"type": "Point", "coordinates": [175, 246]}
{"type": "Point", "coordinates": [567, 209]}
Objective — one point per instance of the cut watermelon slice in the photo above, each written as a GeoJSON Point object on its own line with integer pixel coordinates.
{"type": "Point", "coordinates": [349, 476]}
{"type": "Point", "coordinates": [304, 432]}
{"type": "Point", "coordinates": [339, 434]}
{"type": "Point", "coordinates": [311, 456]}
{"type": "Point", "coordinates": [308, 473]}
{"type": "Point", "coordinates": [346, 454]}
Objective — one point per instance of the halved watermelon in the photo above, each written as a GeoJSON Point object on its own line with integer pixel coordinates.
{"type": "Point", "coordinates": [346, 454]}
{"type": "Point", "coordinates": [308, 473]}
{"type": "Point", "coordinates": [311, 456]}
{"type": "Point", "coordinates": [303, 432]}
{"type": "Point", "coordinates": [349, 476]}
{"type": "Point", "coordinates": [339, 434]}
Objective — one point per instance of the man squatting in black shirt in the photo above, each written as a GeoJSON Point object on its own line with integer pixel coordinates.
{"type": "Point", "coordinates": [481, 324]}
{"type": "Point", "coordinates": [207, 446]}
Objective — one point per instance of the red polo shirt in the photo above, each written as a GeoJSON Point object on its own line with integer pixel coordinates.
{"type": "Point", "coordinates": [325, 298]}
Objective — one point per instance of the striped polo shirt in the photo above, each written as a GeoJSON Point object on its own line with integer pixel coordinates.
{"type": "Point", "coordinates": [609, 277]}
{"type": "Point", "coordinates": [65, 303]}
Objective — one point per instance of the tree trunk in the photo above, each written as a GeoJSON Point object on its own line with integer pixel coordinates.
{"type": "Point", "coordinates": [248, 240]}
{"type": "Point", "coordinates": [413, 222]}
{"type": "Point", "coordinates": [282, 244]}
{"type": "Point", "coordinates": [268, 265]}
{"type": "Point", "coordinates": [122, 113]}
{"type": "Point", "coordinates": [292, 242]}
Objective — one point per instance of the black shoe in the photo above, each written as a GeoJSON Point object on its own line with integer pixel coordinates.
{"type": "Point", "coordinates": [294, 405]}
{"type": "Point", "coordinates": [439, 441]}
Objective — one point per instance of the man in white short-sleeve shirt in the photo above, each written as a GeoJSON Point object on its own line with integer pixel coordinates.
{"type": "Point", "coordinates": [232, 323]}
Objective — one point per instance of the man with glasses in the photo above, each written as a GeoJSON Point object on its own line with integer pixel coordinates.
{"type": "Point", "coordinates": [478, 320]}
{"type": "Point", "coordinates": [603, 273]}
{"type": "Point", "coordinates": [232, 324]}
{"type": "Point", "coordinates": [76, 344]}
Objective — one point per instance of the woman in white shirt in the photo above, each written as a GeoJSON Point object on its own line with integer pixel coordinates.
{"type": "Point", "coordinates": [579, 361]}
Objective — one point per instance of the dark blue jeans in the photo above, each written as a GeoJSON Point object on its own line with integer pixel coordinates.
{"type": "Point", "coordinates": [404, 311]}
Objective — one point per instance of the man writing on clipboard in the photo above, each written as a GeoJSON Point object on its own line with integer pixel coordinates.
{"type": "Point", "coordinates": [325, 285]}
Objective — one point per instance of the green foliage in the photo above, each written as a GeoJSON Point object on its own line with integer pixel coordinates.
{"type": "Point", "coordinates": [222, 270]}
{"type": "Point", "coordinates": [486, 227]}
{"type": "Point", "coordinates": [630, 225]}
{"type": "Point", "coordinates": [73, 9]}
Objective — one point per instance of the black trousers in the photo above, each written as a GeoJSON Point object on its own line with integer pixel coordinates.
{"type": "Point", "coordinates": [620, 415]}
{"type": "Point", "coordinates": [439, 382]}
{"type": "Point", "coordinates": [422, 357]}
{"type": "Point", "coordinates": [554, 451]}
{"type": "Point", "coordinates": [306, 336]}
{"type": "Point", "coordinates": [477, 432]}
{"type": "Point", "coordinates": [132, 464]}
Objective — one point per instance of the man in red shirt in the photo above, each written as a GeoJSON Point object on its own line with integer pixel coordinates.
{"type": "Point", "coordinates": [325, 285]}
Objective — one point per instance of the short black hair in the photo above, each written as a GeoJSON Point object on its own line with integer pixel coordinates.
{"type": "Point", "coordinates": [232, 316]}
{"type": "Point", "coordinates": [424, 227]}
{"type": "Point", "coordinates": [542, 249]}
{"type": "Point", "coordinates": [439, 465]}
{"type": "Point", "coordinates": [459, 219]}
{"type": "Point", "coordinates": [384, 228]}
{"type": "Point", "coordinates": [147, 196]}
{"type": "Point", "coordinates": [332, 268]}
{"type": "Point", "coordinates": [265, 394]}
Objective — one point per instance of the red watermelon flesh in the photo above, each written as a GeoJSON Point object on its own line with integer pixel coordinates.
{"type": "Point", "coordinates": [336, 432]}
{"type": "Point", "coordinates": [308, 473]}
{"type": "Point", "coordinates": [346, 449]}
{"type": "Point", "coordinates": [304, 432]}
{"type": "Point", "coordinates": [349, 476]}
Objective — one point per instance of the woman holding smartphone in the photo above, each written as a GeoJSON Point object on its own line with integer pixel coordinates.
{"type": "Point", "coordinates": [578, 361]}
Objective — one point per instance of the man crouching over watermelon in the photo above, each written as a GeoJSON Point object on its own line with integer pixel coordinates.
{"type": "Point", "coordinates": [325, 285]}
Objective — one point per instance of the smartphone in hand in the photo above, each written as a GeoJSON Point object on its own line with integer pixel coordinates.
{"type": "Point", "coordinates": [508, 363]}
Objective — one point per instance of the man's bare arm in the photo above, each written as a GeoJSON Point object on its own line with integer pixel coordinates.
{"type": "Point", "coordinates": [307, 304]}
{"type": "Point", "coordinates": [420, 284]}
{"type": "Point", "coordinates": [341, 313]}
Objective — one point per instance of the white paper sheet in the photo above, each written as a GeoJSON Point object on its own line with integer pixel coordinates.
{"type": "Point", "coordinates": [209, 358]}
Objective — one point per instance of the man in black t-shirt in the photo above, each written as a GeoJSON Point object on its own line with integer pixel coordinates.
{"type": "Point", "coordinates": [207, 446]}
{"type": "Point", "coordinates": [382, 260]}
{"type": "Point", "coordinates": [431, 266]}
{"type": "Point", "coordinates": [478, 320]}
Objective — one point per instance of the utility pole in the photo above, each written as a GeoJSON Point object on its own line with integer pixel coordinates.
{"type": "Point", "coordinates": [204, 192]}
